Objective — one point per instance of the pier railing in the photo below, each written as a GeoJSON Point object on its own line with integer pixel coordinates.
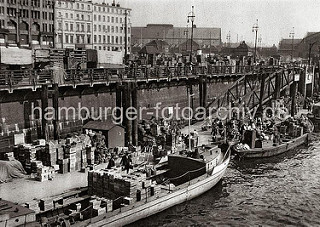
{"type": "Point", "coordinates": [11, 79]}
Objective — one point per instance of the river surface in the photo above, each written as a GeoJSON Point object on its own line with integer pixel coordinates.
{"type": "Point", "coordinates": [278, 191]}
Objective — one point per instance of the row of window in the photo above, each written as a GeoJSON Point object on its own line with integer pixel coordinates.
{"type": "Point", "coordinates": [109, 48]}
{"type": "Point", "coordinates": [47, 16]}
{"type": "Point", "coordinates": [34, 3]}
{"type": "Point", "coordinates": [109, 19]}
{"type": "Point", "coordinates": [95, 18]}
{"type": "Point", "coordinates": [108, 28]}
{"type": "Point", "coordinates": [24, 13]}
{"type": "Point", "coordinates": [80, 27]}
{"type": "Point", "coordinates": [78, 16]}
{"type": "Point", "coordinates": [88, 7]}
{"type": "Point", "coordinates": [47, 27]}
{"type": "Point", "coordinates": [86, 39]}
{"type": "Point", "coordinates": [109, 39]}
{"type": "Point", "coordinates": [77, 39]}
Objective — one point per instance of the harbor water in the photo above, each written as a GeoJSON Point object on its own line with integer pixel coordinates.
{"type": "Point", "coordinates": [277, 191]}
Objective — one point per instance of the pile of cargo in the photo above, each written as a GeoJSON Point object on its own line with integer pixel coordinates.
{"type": "Point", "coordinates": [100, 206]}
{"type": "Point", "coordinates": [123, 189]}
{"type": "Point", "coordinates": [45, 173]}
{"type": "Point", "coordinates": [294, 130]}
{"type": "Point", "coordinates": [71, 154]}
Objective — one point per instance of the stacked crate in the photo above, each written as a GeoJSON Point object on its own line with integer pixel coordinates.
{"type": "Point", "coordinates": [25, 153]}
{"type": "Point", "coordinates": [63, 165]}
{"type": "Point", "coordinates": [35, 165]}
{"type": "Point", "coordinates": [43, 173]}
{"type": "Point", "coordinates": [107, 203]}
{"type": "Point", "coordinates": [49, 157]}
{"type": "Point", "coordinates": [90, 155]}
{"type": "Point", "coordinates": [81, 57]}
{"type": "Point", "coordinates": [70, 153]}
{"type": "Point", "coordinates": [124, 189]}
{"type": "Point", "coordinates": [57, 56]}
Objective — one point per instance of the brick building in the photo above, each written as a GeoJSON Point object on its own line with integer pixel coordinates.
{"type": "Point", "coordinates": [26, 23]}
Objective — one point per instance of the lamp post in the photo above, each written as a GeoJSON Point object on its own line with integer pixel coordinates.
{"type": "Point", "coordinates": [186, 32]}
{"type": "Point", "coordinates": [125, 28]}
{"type": "Point", "coordinates": [260, 42]}
{"type": "Point", "coordinates": [18, 13]}
{"type": "Point", "coordinates": [190, 115]}
{"type": "Point", "coordinates": [228, 39]}
{"type": "Point", "coordinates": [125, 36]}
{"type": "Point", "coordinates": [255, 29]}
{"type": "Point", "coordinates": [291, 35]}
{"type": "Point", "coordinates": [191, 17]}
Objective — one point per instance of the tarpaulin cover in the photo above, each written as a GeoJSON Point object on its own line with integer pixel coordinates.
{"type": "Point", "coordinates": [11, 169]}
{"type": "Point", "coordinates": [16, 56]}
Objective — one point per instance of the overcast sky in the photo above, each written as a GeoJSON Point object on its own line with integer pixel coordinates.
{"type": "Point", "coordinates": [276, 17]}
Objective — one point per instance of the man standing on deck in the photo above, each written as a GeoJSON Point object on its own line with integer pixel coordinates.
{"type": "Point", "coordinates": [126, 162]}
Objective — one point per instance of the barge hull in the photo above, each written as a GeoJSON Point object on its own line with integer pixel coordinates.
{"type": "Point", "coordinates": [181, 194]}
{"type": "Point", "coordinates": [273, 151]}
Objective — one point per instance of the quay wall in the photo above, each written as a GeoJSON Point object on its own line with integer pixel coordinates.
{"type": "Point", "coordinates": [20, 112]}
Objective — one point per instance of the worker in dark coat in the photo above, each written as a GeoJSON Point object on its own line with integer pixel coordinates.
{"type": "Point", "coordinates": [111, 163]}
{"type": "Point", "coordinates": [126, 162]}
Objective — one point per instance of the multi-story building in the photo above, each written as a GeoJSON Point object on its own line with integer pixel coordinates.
{"type": "Point", "coordinates": [175, 36]}
{"type": "Point", "coordinates": [26, 22]}
{"type": "Point", "coordinates": [92, 25]}
{"type": "Point", "coordinates": [73, 23]}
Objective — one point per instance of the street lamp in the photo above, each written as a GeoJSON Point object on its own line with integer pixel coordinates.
{"type": "Point", "coordinates": [190, 115]}
{"type": "Point", "coordinates": [291, 35]}
{"type": "Point", "coordinates": [186, 33]}
{"type": "Point", "coordinates": [125, 27]}
{"type": "Point", "coordinates": [191, 17]}
{"type": "Point", "coordinates": [228, 39]}
{"type": "Point", "coordinates": [255, 29]}
{"type": "Point", "coordinates": [260, 42]}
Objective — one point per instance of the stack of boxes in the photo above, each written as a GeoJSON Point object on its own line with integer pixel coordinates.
{"type": "Point", "coordinates": [90, 155]}
{"type": "Point", "coordinates": [63, 165]}
{"type": "Point", "coordinates": [96, 207]}
{"type": "Point", "coordinates": [49, 156]}
{"type": "Point", "coordinates": [70, 153]}
{"type": "Point", "coordinates": [64, 156]}
{"type": "Point", "coordinates": [25, 153]}
{"type": "Point", "coordinates": [295, 130]}
{"type": "Point", "coordinates": [123, 189]}
{"type": "Point", "coordinates": [43, 173]}
{"type": "Point", "coordinates": [35, 165]}
{"type": "Point", "coordinates": [100, 206]}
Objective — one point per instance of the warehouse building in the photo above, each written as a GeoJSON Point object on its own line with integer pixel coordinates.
{"type": "Point", "coordinates": [27, 23]}
{"type": "Point", "coordinates": [175, 36]}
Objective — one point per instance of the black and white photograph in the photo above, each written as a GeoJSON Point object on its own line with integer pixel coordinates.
{"type": "Point", "coordinates": [159, 113]}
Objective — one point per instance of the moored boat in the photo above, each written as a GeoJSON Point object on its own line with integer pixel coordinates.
{"type": "Point", "coordinates": [269, 149]}
{"type": "Point", "coordinates": [183, 179]}
{"type": "Point", "coordinates": [285, 138]}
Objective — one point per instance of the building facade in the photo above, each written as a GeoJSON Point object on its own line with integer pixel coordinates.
{"type": "Point", "coordinates": [26, 23]}
{"type": "Point", "coordinates": [73, 23]}
{"type": "Point", "coordinates": [175, 36]}
{"type": "Point", "coordinates": [92, 25]}
{"type": "Point", "coordinates": [288, 48]}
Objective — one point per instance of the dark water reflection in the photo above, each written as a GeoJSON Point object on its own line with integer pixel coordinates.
{"type": "Point", "coordinates": [283, 190]}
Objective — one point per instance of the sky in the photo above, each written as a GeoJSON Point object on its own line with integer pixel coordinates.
{"type": "Point", "coordinates": [276, 18]}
